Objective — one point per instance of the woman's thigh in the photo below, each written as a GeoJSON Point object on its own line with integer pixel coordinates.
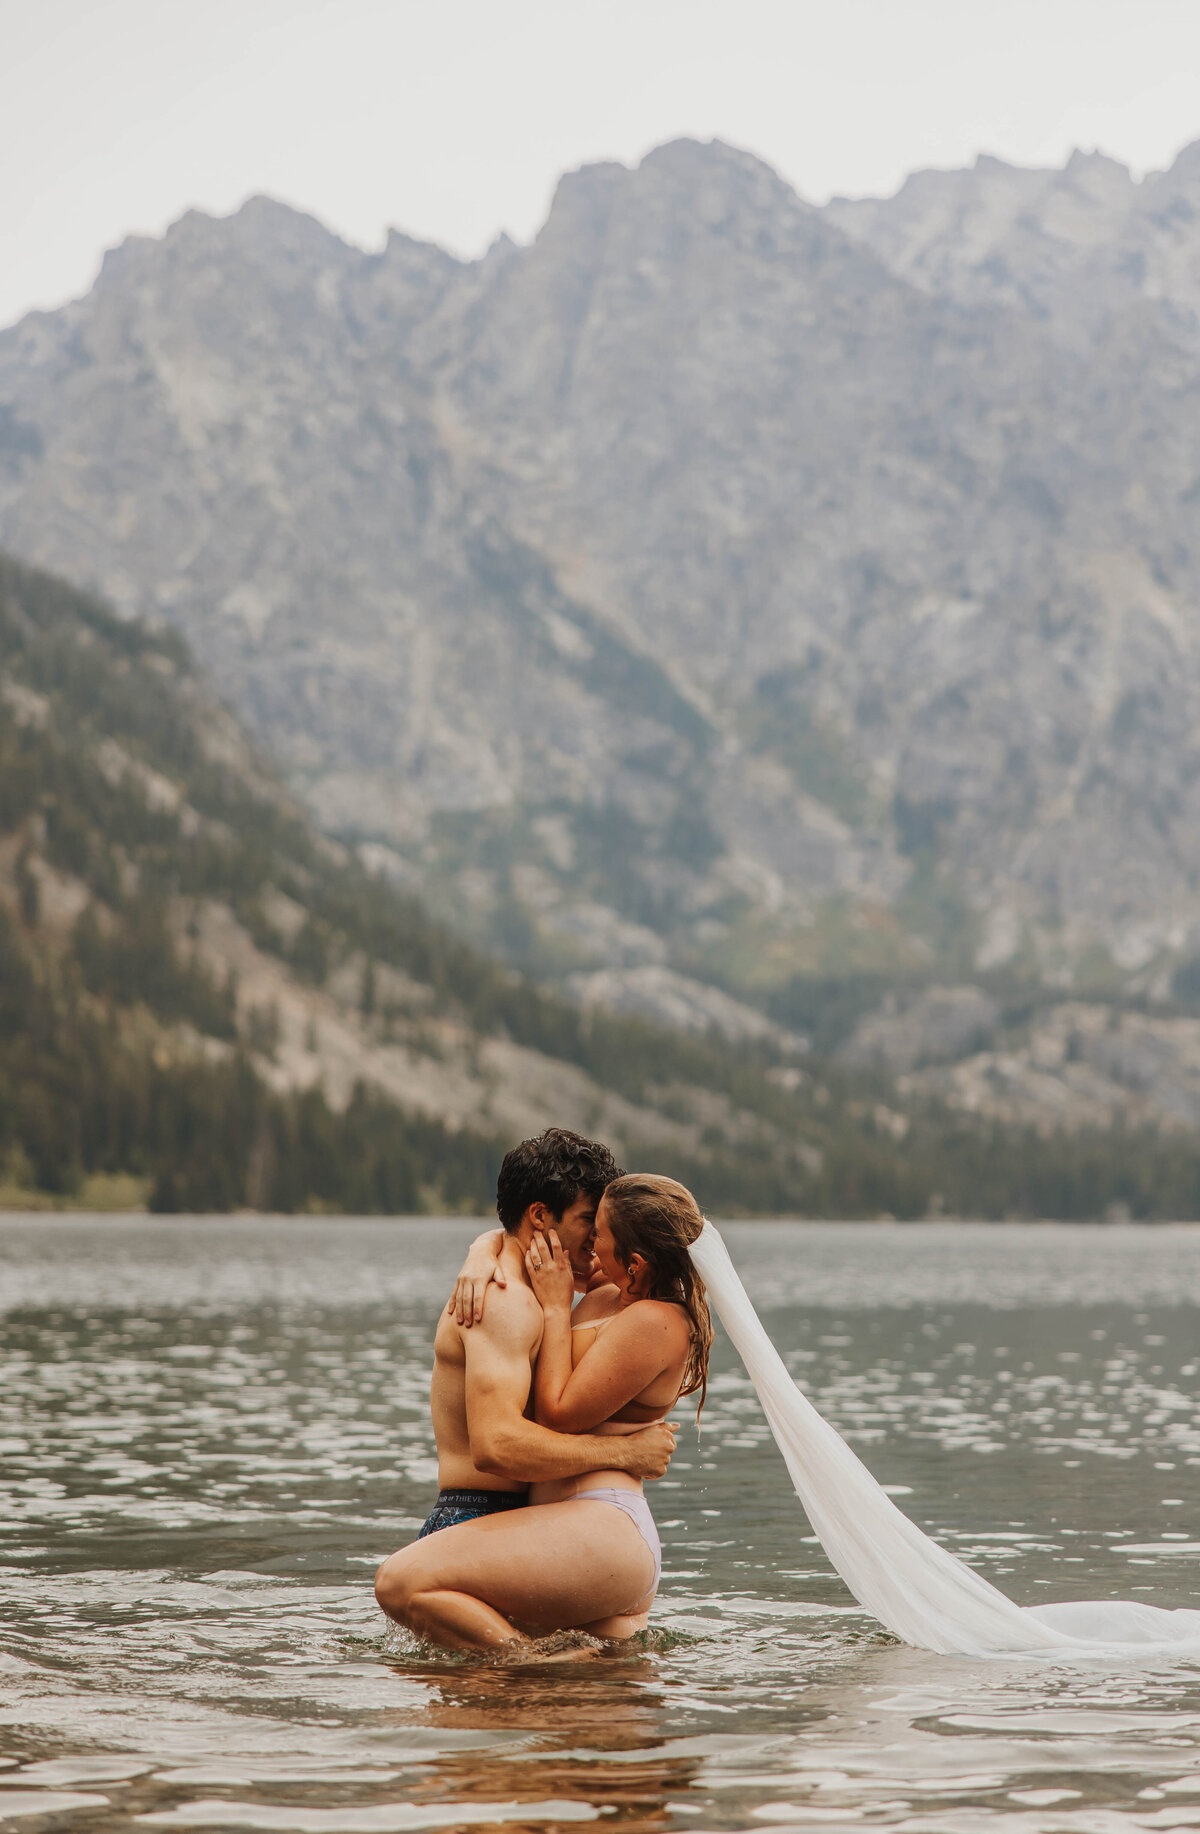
{"type": "Point", "coordinates": [551, 1566]}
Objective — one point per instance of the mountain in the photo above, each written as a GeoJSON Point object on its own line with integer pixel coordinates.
{"type": "Point", "coordinates": [207, 1004]}
{"type": "Point", "coordinates": [718, 592]}
{"type": "Point", "coordinates": [1079, 248]}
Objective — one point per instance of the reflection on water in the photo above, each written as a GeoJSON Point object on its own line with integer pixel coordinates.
{"type": "Point", "coordinates": [212, 1431]}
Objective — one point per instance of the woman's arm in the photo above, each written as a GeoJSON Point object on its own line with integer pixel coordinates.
{"type": "Point", "coordinates": [480, 1268]}
{"type": "Point", "coordinates": [638, 1344]}
{"type": "Point", "coordinates": [553, 1281]}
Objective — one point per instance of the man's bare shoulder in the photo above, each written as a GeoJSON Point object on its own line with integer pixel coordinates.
{"type": "Point", "coordinates": [511, 1316]}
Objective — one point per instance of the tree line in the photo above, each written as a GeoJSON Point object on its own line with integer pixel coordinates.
{"type": "Point", "coordinates": [120, 1052]}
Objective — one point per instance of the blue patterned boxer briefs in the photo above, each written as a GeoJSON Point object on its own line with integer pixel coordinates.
{"type": "Point", "coordinates": [455, 1506]}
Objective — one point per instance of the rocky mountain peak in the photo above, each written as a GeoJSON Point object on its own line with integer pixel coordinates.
{"type": "Point", "coordinates": [1096, 163]}
{"type": "Point", "coordinates": [716, 585]}
{"type": "Point", "coordinates": [1186, 164]}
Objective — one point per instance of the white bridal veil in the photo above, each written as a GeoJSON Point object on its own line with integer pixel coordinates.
{"type": "Point", "coordinates": [915, 1588]}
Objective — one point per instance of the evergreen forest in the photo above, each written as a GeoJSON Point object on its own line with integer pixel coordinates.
{"type": "Point", "coordinates": [132, 1067]}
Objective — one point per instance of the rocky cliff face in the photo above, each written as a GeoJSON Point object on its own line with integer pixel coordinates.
{"type": "Point", "coordinates": [718, 586]}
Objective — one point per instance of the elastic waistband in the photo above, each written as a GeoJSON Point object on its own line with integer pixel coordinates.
{"type": "Point", "coordinates": [480, 1499]}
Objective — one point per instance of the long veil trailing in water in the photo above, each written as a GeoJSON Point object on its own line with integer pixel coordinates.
{"type": "Point", "coordinates": [915, 1588]}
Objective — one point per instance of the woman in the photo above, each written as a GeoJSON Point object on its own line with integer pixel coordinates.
{"type": "Point", "coordinates": [622, 1359]}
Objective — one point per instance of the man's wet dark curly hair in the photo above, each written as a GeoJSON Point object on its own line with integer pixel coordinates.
{"type": "Point", "coordinates": [552, 1169]}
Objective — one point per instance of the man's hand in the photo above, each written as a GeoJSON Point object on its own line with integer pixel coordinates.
{"type": "Point", "coordinates": [480, 1268]}
{"type": "Point", "coordinates": [648, 1453]}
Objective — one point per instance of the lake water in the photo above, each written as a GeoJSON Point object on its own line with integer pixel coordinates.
{"type": "Point", "coordinates": [213, 1430]}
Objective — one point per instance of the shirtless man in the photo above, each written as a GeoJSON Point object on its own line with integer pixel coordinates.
{"type": "Point", "coordinates": [489, 1452]}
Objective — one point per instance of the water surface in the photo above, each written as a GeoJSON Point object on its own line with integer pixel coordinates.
{"type": "Point", "coordinates": [213, 1430]}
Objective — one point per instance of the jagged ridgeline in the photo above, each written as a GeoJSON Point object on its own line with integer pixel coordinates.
{"type": "Point", "coordinates": [206, 1004]}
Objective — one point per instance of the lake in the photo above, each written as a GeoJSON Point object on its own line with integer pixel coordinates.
{"type": "Point", "coordinates": [212, 1431]}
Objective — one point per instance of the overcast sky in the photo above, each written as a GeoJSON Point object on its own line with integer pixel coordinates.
{"type": "Point", "coordinates": [452, 119]}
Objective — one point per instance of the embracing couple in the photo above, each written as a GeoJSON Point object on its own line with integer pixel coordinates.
{"type": "Point", "coordinates": [548, 1419]}
{"type": "Point", "coordinates": [548, 1414]}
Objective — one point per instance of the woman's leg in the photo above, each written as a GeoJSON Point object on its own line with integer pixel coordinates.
{"type": "Point", "coordinates": [624, 1624]}
{"type": "Point", "coordinates": [617, 1629]}
{"type": "Point", "coordinates": [552, 1566]}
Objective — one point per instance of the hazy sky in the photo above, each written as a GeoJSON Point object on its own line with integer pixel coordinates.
{"type": "Point", "coordinates": [453, 118]}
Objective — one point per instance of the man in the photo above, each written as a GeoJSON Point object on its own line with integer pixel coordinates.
{"type": "Point", "coordinates": [489, 1451]}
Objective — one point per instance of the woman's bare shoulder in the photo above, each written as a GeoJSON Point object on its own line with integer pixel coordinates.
{"type": "Point", "coordinates": [595, 1306]}
{"type": "Point", "coordinates": [666, 1312]}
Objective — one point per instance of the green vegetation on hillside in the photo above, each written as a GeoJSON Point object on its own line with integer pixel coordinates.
{"type": "Point", "coordinates": [127, 799]}
{"type": "Point", "coordinates": [96, 1075]}
{"type": "Point", "coordinates": [82, 1093]}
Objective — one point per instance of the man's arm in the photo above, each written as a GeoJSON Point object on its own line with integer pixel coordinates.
{"type": "Point", "coordinates": [506, 1444]}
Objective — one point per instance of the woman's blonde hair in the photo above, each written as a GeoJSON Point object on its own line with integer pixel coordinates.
{"type": "Point", "coordinates": [657, 1218]}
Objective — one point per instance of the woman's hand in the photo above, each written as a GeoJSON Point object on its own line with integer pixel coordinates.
{"type": "Point", "coordinates": [595, 1280]}
{"type": "Point", "coordinates": [480, 1268]}
{"type": "Point", "coordinates": [550, 1273]}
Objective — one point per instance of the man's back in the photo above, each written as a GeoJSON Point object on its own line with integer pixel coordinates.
{"type": "Point", "coordinates": [507, 1338]}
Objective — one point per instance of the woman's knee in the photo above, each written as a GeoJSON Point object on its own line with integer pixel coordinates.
{"type": "Point", "coordinates": [397, 1585]}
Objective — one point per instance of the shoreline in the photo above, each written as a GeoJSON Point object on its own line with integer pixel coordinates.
{"type": "Point", "coordinates": [36, 1206]}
